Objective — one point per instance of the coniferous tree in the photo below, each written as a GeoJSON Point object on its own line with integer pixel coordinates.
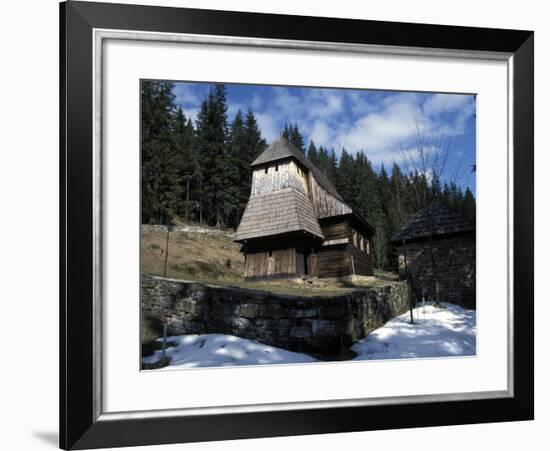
{"type": "Point", "coordinates": [398, 194]}
{"type": "Point", "coordinates": [160, 182]}
{"type": "Point", "coordinates": [385, 199]}
{"type": "Point", "coordinates": [186, 162]}
{"type": "Point", "coordinates": [367, 202]}
{"type": "Point", "coordinates": [469, 204]}
{"type": "Point", "coordinates": [327, 163]}
{"type": "Point", "coordinates": [218, 197]}
{"type": "Point", "coordinates": [446, 194]}
{"type": "Point", "coordinates": [297, 139]}
{"type": "Point", "coordinates": [292, 134]}
{"type": "Point", "coordinates": [345, 182]}
{"type": "Point", "coordinates": [239, 165]}
{"type": "Point", "coordinates": [255, 143]}
{"type": "Point", "coordinates": [312, 153]}
{"type": "Point", "coordinates": [323, 161]}
{"type": "Point", "coordinates": [246, 143]}
{"type": "Point", "coordinates": [333, 167]}
{"type": "Point", "coordinates": [285, 133]}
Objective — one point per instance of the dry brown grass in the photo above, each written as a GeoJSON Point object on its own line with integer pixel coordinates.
{"type": "Point", "coordinates": [191, 255]}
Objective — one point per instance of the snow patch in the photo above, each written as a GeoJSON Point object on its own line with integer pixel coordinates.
{"type": "Point", "coordinates": [437, 332]}
{"type": "Point", "coordinates": [448, 331]}
{"type": "Point", "coordinates": [193, 351]}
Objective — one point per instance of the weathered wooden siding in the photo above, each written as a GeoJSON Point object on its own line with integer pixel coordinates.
{"type": "Point", "coordinates": [282, 262]}
{"type": "Point", "coordinates": [359, 249]}
{"type": "Point", "coordinates": [294, 257]}
{"type": "Point", "coordinates": [312, 261]}
{"type": "Point", "coordinates": [336, 261]}
{"type": "Point", "coordinates": [300, 263]}
{"type": "Point", "coordinates": [333, 262]}
{"type": "Point", "coordinates": [335, 230]}
{"type": "Point", "coordinates": [324, 204]}
{"type": "Point", "coordinates": [359, 240]}
{"type": "Point", "coordinates": [281, 175]}
{"type": "Point", "coordinates": [362, 264]}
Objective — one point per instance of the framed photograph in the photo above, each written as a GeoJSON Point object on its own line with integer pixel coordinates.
{"type": "Point", "coordinates": [282, 225]}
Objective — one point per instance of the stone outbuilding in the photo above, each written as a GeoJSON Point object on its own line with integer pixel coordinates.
{"type": "Point", "coordinates": [437, 253]}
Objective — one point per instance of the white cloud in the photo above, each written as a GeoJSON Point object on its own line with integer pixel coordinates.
{"type": "Point", "coordinates": [286, 104]}
{"type": "Point", "coordinates": [233, 108]}
{"type": "Point", "coordinates": [268, 126]}
{"type": "Point", "coordinates": [191, 113]}
{"type": "Point", "coordinates": [458, 125]}
{"type": "Point", "coordinates": [409, 160]}
{"type": "Point", "coordinates": [445, 103]}
{"type": "Point", "coordinates": [390, 125]}
{"type": "Point", "coordinates": [286, 107]}
{"type": "Point", "coordinates": [187, 95]}
{"type": "Point", "coordinates": [324, 103]}
{"type": "Point", "coordinates": [321, 134]}
{"type": "Point", "coordinates": [360, 104]}
{"type": "Point", "coordinates": [257, 102]}
{"type": "Point", "coordinates": [381, 133]}
{"type": "Point", "coordinates": [379, 123]}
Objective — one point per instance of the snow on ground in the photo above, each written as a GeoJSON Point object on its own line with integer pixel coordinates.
{"type": "Point", "coordinates": [193, 351]}
{"type": "Point", "coordinates": [437, 332]}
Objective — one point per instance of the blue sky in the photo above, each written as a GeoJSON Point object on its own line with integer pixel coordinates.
{"type": "Point", "coordinates": [381, 123]}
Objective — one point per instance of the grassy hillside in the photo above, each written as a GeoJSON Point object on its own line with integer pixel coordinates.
{"type": "Point", "coordinates": [208, 255]}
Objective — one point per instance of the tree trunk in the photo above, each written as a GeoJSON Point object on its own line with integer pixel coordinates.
{"type": "Point", "coordinates": [434, 272]}
{"type": "Point", "coordinates": [200, 201]}
{"type": "Point", "coordinates": [166, 252]}
{"type": "Point", "coordinates": [187, 201]}
{"type": "Point", "coordinates": [409, 296]}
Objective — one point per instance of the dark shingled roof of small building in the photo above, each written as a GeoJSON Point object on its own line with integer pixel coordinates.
{"type": "Point", "coordinates": [435, 220]}
{"type": "Point", "coordinates": [278, 212]}
{"type": "Point", "coordinates": [282, 149]}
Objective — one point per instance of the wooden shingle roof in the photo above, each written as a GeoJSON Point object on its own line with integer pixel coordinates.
{"type": "Point", "coordinates": [278, 212]}
{"type": "Point", "coordinates": [436, 220]}
{"type": "Point", "coordinates": [283, 149]}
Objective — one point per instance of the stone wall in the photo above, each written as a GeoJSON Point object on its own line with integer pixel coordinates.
{"type": "Point", "coordinates": [325, 325]}
{"type": "Point", "coordinates": [185, 228]}
{"type": "Point", "coordinates": [455, 269]}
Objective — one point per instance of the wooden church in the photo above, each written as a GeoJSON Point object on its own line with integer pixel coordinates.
{"type": "Point", "coordinates": [297, 224]}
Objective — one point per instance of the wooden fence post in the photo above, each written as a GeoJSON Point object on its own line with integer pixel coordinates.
{"type": "Point", "coordinates": [164, 334]}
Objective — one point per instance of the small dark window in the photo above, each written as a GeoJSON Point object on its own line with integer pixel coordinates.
{"type": "Point", "coordinates": [271, 253]}
{"type": "Point", "coordinates": [266, 169]}
{"type": "Point", "coordinates": [276, 167]}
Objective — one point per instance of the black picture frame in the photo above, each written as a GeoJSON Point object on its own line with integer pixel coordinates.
{"type": "Point", "coordinates": [79, 427]}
